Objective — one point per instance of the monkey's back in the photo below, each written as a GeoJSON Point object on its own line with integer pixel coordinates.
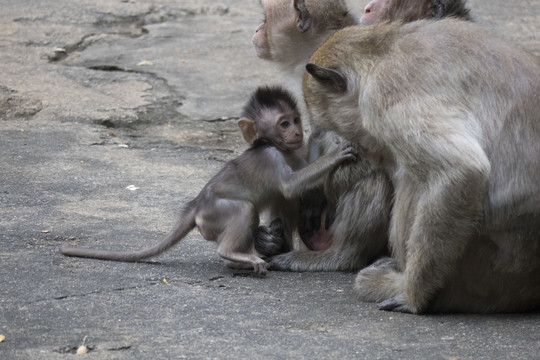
{"type": "Point", "coordinates": [448, 77]}
{"type": "Point", "coordinates": [251, 176]}
{"type": "Point", "coordinates": [393, 60]}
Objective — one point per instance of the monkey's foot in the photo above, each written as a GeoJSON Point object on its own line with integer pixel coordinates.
{"type": "Point", "coordinates": [260, 268]}
{"type": "Point", "coordinates": [397, 304]}
{"type": "Point", "coordinates": [379, 281]}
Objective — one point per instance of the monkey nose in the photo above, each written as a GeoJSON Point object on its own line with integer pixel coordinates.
{"type": "Point", "coordinates": [367, 9]}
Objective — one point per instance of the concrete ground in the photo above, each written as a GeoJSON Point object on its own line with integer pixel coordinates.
{"type": "Point", "coordinates": [96, 96]}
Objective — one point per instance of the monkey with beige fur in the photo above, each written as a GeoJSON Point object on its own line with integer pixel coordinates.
{"type": "Point", "coordinates": [451, 113]}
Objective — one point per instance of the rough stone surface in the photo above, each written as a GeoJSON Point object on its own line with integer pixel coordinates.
{"type": "Point", "coordinates": [99, 95]}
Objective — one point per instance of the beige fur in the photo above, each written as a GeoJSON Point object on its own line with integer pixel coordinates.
{"type": "Point", "coordinates": [453, 112]}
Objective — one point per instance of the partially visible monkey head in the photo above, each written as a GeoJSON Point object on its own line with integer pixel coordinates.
{"type": "Point", "coordinates": [293, 29]}
{"type": "Point", "coordinates": [271, 115]}
{"type": "Point", "coordinates": [377, 11]}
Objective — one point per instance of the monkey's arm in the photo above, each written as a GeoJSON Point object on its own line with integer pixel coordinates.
{"type": "Point", "coordinates": [443, 184]}
{"type": "Point", "coordinates": [294, 183]}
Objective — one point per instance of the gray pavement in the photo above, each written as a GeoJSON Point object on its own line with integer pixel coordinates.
{"type": "Point", "coordinates": [99, 95]}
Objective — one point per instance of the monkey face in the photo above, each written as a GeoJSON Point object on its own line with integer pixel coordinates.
{"type": "Point", "coordinates": [288, 126]}
{"type": "Point", "coordinates": [374, 12]}
{"type": "Point", "coordinates": [260, 42]}
{"type": "Point", "coordinates": [279, 17]}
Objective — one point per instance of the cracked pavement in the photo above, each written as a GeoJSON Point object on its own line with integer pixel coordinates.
{"type": "Point", "coordinates": [96, 96]}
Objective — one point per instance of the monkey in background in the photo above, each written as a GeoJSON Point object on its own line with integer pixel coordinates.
{"type": "Point", "coordinates": [353, 231]}
{"type": "Point", "coordinates": [460, 142]}
{"type": "Point", "coordinates": [377, 11]}
{"type": "Point", "coordinates": [270, 175]}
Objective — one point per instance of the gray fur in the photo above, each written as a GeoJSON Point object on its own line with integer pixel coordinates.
{"type": "Point", "coordinates": [269, 176]}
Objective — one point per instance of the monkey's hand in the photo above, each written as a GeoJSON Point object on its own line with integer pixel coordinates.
{"type": "Point", "coordinates": [397, 304]}
{"type": "Point", "coordinates": [346, 151]}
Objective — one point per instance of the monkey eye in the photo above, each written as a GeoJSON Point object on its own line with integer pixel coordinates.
{"type": "Point", "coordinates": [284, 124]}
{"type": "Point", "coordinates": [297, 120]}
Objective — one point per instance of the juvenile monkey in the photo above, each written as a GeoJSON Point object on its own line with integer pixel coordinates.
{"type": "Point", "coordinates": [460, 142]}
{"type": "Point", "coordinates": [377, 11]}
{"type": "Point", "coordinates": [269, 175]}
{"type": "Point", "coordinates": [359, 195]}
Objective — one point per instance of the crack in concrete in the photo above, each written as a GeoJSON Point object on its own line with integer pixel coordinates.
{"type": "Point", "coordinates": [149, 283]}
{"type": "Point", "coordinates": [77, 296]}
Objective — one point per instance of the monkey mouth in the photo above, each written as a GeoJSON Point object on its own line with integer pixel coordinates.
{"type": "Point", "coordinates": [296, 144]}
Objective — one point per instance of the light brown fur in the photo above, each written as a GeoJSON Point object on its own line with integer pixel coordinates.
{"type": "Point", "coordinates": [377, 11]}
{"type": "Point", "coordinates": [451, 113]}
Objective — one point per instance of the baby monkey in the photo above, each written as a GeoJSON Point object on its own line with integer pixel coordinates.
{"type": "Point", "coordinates": [268, 177]}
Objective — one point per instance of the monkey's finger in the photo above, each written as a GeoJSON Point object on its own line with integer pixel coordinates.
{"type": "Point", "coordinates": [349, 157]}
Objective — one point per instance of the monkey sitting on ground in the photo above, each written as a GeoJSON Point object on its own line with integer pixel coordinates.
{"type": "Point", "coordinates": [359, 196]}
{"type": "Point", "coordinates": [267, 176]}
{"type": "Point", "coordinates": [460, 141]}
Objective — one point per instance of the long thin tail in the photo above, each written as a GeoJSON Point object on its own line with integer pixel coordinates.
{"type": "Point", "coordinates": [185, 225]}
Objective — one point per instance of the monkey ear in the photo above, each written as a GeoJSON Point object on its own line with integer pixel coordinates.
{"type": "Point", "coordinates": [303, 19]}
{"type": "Point", "coordinates": [331, 78]}
{"type": "Point", "coordinates": [247, 126]}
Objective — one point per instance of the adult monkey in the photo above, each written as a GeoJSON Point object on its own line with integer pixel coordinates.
{"type": "Point", "coordinates": [377, 11]}
{"type": "Point", "coordinates": [359, 194]}
{"type": "Point", "coordinates": [461, 143]}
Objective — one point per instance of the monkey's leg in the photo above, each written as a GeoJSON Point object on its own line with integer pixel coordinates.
{"type": "Point", "coordinates": [445, 220]}
{"type": "Point", "coordinates": [235, 243]}
{"type": "Point", "coordinates": [359, 232]}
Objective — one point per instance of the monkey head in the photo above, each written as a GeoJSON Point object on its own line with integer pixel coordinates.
{"type": "Point", "coordinates": [293, 29]}
{"type": "Point", "coordinates": [271, 115]}
{"type": "Point", "coordinates": [377, 11]}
